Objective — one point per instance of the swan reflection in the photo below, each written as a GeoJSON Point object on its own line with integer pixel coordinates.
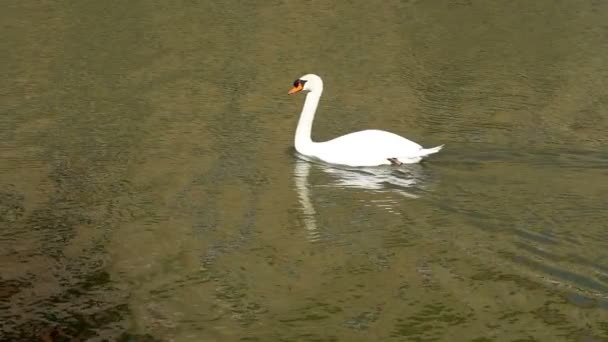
{"type": "Point", "coordinates": [382, 182]}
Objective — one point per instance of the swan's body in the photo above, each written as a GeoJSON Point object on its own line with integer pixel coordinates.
{"type": "Point", "coordinates": [363, 148]}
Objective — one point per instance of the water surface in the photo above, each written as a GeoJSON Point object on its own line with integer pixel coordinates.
{"type": "Point", "coordinates": [149, 189]}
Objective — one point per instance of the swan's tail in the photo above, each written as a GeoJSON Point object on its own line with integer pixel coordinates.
{"type": "Point", "coordinates": [426, 151]}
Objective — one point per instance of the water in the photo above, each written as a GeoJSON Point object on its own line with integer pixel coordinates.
{"type": "Point", "coordinates": [149, 189]}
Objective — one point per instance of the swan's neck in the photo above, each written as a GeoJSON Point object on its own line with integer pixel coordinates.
{"type": "Point", "coordinates": [303, 140]}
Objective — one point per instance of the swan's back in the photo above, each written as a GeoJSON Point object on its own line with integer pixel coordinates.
{"type": "Point", "coordinates": [368, 148]}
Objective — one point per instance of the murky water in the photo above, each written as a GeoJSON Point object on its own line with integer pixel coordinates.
{"type": "Point", "coordinates": [149, 190]}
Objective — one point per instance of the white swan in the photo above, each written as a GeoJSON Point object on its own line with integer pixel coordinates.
{"type": "Point", "coordinates": [363, 148]}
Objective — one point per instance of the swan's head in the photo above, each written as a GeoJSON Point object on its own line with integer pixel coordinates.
{"type": "Point", "coordinates": [310, 82]}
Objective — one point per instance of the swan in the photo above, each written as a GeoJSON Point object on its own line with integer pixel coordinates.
{"type": "Point", "coordinates": [364, 148]}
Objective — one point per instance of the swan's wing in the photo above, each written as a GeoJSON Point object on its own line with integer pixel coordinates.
{"type": "Point", "coordinates": [376, 139]}
{"type": "Point", "coordinates": [370, 147]}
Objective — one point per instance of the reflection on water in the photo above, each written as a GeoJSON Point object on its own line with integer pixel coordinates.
{"type": "Point", "coordinates": [300, 175]}
{"type": "Point", "coordinates": [408, 181]}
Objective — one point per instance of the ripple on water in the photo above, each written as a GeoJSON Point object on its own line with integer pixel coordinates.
{"type": "Point", "coordinates": [542, 210]}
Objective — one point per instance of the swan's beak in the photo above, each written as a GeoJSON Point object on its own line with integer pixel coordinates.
{"type": "Point", "coordinates": [296, 88]}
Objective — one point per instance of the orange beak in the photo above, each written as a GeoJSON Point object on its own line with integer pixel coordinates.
{"type": "Point", "coordinates": [296, 89]}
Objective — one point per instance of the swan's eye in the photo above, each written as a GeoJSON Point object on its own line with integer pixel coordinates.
{"type": "Point", "coordinates": [298, 82]}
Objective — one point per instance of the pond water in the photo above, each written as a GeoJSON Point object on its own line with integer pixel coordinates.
{"type": "Point", "coordinates": [149, 190]}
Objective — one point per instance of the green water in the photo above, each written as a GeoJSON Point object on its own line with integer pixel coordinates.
{"type": "Point", "coordinates": [149, 189]}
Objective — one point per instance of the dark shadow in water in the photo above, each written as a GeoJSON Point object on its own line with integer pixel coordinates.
{"type": "Point", "coordinates": [54, 325]}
